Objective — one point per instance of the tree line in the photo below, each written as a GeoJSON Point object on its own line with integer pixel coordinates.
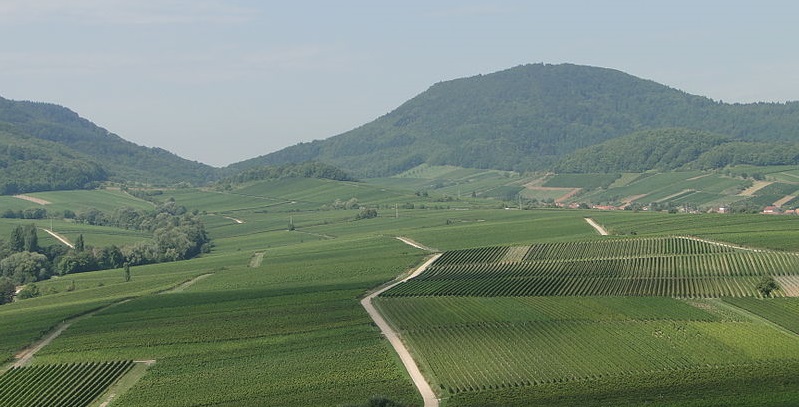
{"type": "Point", "coordinates": [176, 235]}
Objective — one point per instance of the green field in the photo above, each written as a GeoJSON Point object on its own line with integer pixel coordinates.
{"type": "Point", "coordinates": [290, 331]}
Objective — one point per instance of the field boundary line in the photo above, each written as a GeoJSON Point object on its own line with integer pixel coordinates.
{"type": "Point", "coordinates": [124, 383]}
{"type": "Point", "coordinates": [186, 284]}
{"type": "Point", "coordinates": [602, 231]}
{"type": "Point", "coordinates": [722, 244]}
{"type": "Point", "coordinates": [751, 315]}
{"type": "Point", "coordinates": [393, 336]}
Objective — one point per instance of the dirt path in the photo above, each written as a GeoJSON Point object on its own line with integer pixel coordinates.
{"type": "Point", "coordinates": [732, 246]}
{"type": "Point", "coordinates": [632, 198]}
{"type": "Point", "coordinates": [566, 192]}
{"type": "Point", "coordinates": [415, 244]}
{"type": "Point", "coordinates": [24, 357]}
{"type": "Point", "coordinates": [596, 226]}
{"type": "Point", "coordinates": [756, 186]}
{"type": "Point", "coordinates": [186, 284]}
{"type": "Point", "coordinates": [751, 315]}
{"type": "Point", "coordinates": [393, 337]}
{"type": "Point", "coordinates": [569, 195]}
{"type": "Point", "coordinates": [672, 196]}
{"type": "Point", "coordinates": [124, 383]}
{"type": "Point", "coordinates": [256, 260]}
{"type": "Point", "coordinates": [39, 201]}
{"type": "Point", "coordinates": [60, 238]}
{"type": "Point", "coordinates": [784, 200]}
{"type": "Point", "coordinates": [699, 177]}
{"type": "Point", "coordinates": [239, 221]}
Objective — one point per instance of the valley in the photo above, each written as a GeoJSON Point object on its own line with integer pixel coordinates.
{"type": "Point", "coordinates": [543, 235]}
{"type": "Point", "coordinates": [290, 330]}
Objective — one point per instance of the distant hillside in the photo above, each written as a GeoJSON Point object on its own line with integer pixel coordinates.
{"type": "Point", "coordinates": [30, 165]}
{"type": "Point", "coordinates": [671, 149]}
{"type": "Point", "coordinates": [528, 118]}
{"type": "Point", "coordinates": [57, 133]}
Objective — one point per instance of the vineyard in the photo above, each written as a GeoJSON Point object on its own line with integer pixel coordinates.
{"type": "Point", "coordinates": [70, 384]}
{"type": "Point", "coordinates": [673, 266]}
{"type": "Point", "coordinates": [511, 321]}
{"type": "Point", "coordinates": [485, 343]}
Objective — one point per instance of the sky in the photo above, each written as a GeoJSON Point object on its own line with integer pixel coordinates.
{"type": "Point", "coordinates": [221, 81]}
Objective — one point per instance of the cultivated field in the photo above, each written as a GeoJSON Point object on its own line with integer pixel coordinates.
{"type": "Point", "coordinates": [290, 331]}
{"type": "Point", "coordinates": [74, 384]}
{"type": "Point", "coordinates": [542, 323]}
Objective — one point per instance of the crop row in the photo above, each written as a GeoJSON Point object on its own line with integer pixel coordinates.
{"type": "Point", "coordinates": [494, 356]}
{"type": "Point", "coordinates": [419, 313]}
{"type": "Point", "coordinates": [733, 274]}
{"type": "Point", "coordinates": [477, 255]}
{"type": "Point", "coordinates": [72, 384]}
{"type": "Point", "coordinates": [782, 311]}
{"type": "Point", "coordinates": [690, 287]}
{"type": "Point", "coordinates": [601, 249]}
{"type": "Point", "coordinates": [623, 248]}
{"type": "Point", "coordinates": [709, 265]}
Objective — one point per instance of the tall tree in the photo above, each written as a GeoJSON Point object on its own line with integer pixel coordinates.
{"type": "Point", "coordinates": [6, 290]}
{"type": "Point", "coordinates": [31, 239]}
{"type": "Point", "coordinates": [767, 285]}
{"type": "Point", "coordinates": [79, 244]}
{"type": "Point", "coordinates": [17, 241]}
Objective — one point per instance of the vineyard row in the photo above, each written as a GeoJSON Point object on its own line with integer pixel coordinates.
{"type": "Point", "coordinates": [68, 385]}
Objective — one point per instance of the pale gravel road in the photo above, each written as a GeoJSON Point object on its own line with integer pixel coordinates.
{"type": "Point", "coordinates": [393, 337]}
{"type": "Point", "coordinates": [596, 226]}
{"type": "Point", "coordinates": [60, 238]}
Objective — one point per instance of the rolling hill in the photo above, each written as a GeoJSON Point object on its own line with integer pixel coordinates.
{"type": "Point", "coordinates": [528, 118]}
{"type": "Point", "coordinates": [46, 147]}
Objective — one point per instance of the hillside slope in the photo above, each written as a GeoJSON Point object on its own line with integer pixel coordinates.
{"type": "Point", "coordinates": [527, 118]}
{"type": "Point", "coordinates": [46, 127]}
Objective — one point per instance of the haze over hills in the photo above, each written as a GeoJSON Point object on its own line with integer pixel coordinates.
{"type": "Point", "coordinates": [528, 118]}
{"type": "Point", "coordinates": [565, 118]}
{"type": "Point", "coordinates": [51, 147]}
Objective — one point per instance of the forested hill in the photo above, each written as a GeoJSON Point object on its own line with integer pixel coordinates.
{"type": "Point", "coordinates": [36, 139]}
{"type": "Point", "coordinates": [528, 118]}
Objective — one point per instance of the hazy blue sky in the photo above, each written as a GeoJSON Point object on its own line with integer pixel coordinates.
{"type": "Point", "coordinates": [221, 81]}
